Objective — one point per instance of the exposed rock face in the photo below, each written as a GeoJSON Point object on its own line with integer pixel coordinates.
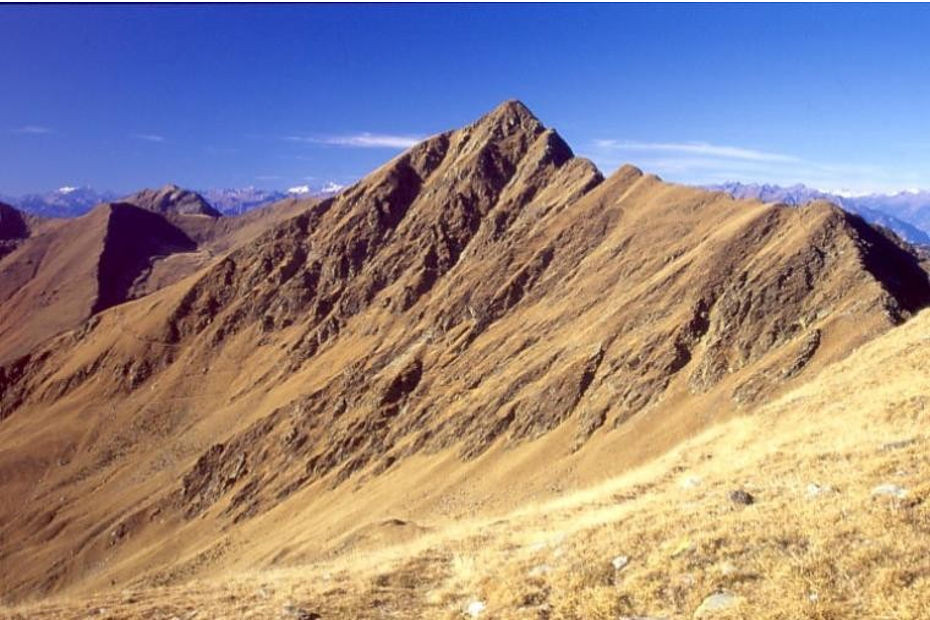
{"type": "Point", "coordinates": [484, 289]}
{"type": "Point", "coordinates": [171, 199]}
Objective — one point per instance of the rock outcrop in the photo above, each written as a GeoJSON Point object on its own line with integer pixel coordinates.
{"type": "Point", "coordinates": [483, 291]}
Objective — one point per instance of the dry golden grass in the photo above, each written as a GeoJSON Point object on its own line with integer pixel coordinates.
{"type": "Point", "coordinates": [842, 552]}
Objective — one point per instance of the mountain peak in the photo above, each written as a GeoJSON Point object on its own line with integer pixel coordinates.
{"type": "Point", "coordinates": [171, 199]}
{"type": "Point", "coordinates": [482, 290]}
{"type": "Point", "coordinates": [511, 116]}
{"type": "Point", "coordinates": [514, 106]}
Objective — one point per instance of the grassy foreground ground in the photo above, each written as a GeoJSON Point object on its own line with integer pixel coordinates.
{"type": "Point", "coordinates": [833, 523]}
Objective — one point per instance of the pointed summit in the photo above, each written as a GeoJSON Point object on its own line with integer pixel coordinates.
{"type": "Point", "coordinates": [515, 108]}
{"type": "Point", "coordinates": [508, 118]}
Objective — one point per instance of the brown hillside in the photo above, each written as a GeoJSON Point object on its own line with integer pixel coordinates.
{"type": "Point", "coordinates": [133, 238]}
{"type": "Point", "coordinates": [836, 470]}
{"type": "Point", "coordinates": [64, 271]}
{"type": "Point", "coordinates": [483, 309]}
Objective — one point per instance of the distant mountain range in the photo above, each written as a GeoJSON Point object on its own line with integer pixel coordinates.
{"type": "Point", "coordinates": [62, 202]}
{"type": "Point", "coordinates": [74, 201]}
{"type": "Point", "coordinates": [906, 213]}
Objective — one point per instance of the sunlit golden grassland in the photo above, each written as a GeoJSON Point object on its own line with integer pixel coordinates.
{"type": "Point", "coordinates": [818, 541]}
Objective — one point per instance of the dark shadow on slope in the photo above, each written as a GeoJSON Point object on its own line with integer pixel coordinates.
{"type": "Point", "coordinates": [135, 237]}
{"type": "Point", "coordinates": [898, 270]}
{"type": "Point", "coordinates": [12, 223]}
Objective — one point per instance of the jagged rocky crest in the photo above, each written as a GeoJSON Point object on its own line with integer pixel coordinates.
{"type": "Point", "coordinates": [484, 288]}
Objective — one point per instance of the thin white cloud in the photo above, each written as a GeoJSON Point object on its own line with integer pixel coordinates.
{"type": "Point", "coordinates": [705, 163]}
{"type": "Point", "coordinates": [695, 148]}
{"type": "Point", "coordinates": [361, 140]}
{"type": "Point", "coordinates": [33, 130]}
{"type": "Point", "coordinates": [149, 137]}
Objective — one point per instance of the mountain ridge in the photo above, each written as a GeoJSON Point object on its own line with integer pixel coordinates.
{"type": "Point", "coordinates": [484, 302]}
{"type": "Point", "coordinates": [879, 209]}
{"type": "Point", "coordinates": [56, 273]}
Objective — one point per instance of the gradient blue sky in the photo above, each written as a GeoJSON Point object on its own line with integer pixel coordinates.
{"type": "Point", "coordinates": [120, 97]}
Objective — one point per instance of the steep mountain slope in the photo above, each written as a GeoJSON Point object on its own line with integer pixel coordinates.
{"type": "Point", "coordinates": [214, 237]}
{"type": "Point", "coordinates": [835, 472]}
{"type": "Point", "coordinates": [64, 271]}
{"type": "Point", "coordinates": [483, 309]}
{"type": "Point", "coordinates": [77, 269]}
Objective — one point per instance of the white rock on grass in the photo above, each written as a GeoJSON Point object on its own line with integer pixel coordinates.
{"type": "Point", "coordinates": [816, 490]}
{"type": "Point", "coordinates": [719, 602]}
{"type": "Point", "coordinates": [620, 562]}
{"type": "Point", "coordinates": [889, 490]}
{"type": "Point", "coordinates": [727, 569]}
{"type": "Point", "coordinates": [691, 482]}
{"type": "Point", "coordinates": [542, 569]}
{"type": "Point", "coordinates": [474, 608]}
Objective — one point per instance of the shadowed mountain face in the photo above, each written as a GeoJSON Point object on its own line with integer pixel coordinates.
{"type": "Point", "coordinates": [14, 228]}
{"type": "Point", "coordinates": [486, 294]}
{"type": "Point", "coordinates": [54, 274]}
{"type": "Point", "coordinates": [133, 238]}
{"type": "Point", "coordinates": [12, 223]}
{"type": "Point", "coordinates": [64, 274]}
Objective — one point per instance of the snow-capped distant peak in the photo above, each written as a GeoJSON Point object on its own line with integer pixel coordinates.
{"type": "Point", "coordinates": [332, 188]}
{"type": "Point", "coordinates": [300, 189]}
{"type": "Point", "coordinates": [844, 192]}
{"type": "Point", "coordinates": [67, 189]}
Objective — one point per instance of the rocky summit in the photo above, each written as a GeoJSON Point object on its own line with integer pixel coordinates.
{"type": "Point", "coordinates": [482, 325]}
{"type": "Point", "coordinates": [171, 199]}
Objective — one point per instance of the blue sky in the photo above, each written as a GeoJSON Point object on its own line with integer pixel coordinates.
{"type": "Point", "coordinates": [120, 97]}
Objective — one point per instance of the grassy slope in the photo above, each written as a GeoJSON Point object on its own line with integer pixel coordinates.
{"type": "Point", "coordinates": [843, 553]}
